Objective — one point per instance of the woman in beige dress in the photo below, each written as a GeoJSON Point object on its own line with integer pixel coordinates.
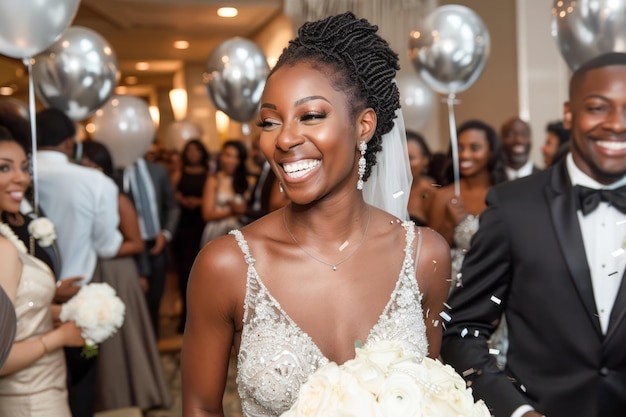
{"type": "Point", "coordinates": [33, 378]}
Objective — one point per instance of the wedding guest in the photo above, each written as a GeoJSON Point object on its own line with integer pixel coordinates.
{"type": "Point", "coordinates": [423, 188]}
{"type": "Point", "coordinates": [224, 194]}
{"type": "Point", "coordinates": [557, 143]}
{"type": "Point", "coordinates": [265, 195]}
{"type": "Point", "coordinates": [82, 204]}
{"type": "Point", "coordinates": [33, 379]}
{"type": "Point", "coordinates": [295, 289]}
{"type": "Point", "coordinates": [549, 256]}
{"type": "Point", "coordinates": [151, 191]}
{"type": "Point", "coordinates": [517, 141]}
{"type": "Point", "coordinates": [130, 373]}
{"type": "Point", "coordinates": [189, 187]}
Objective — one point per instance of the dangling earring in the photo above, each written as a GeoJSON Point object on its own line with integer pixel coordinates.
{"type": "Point", "coordinates": [280, 188]}
{"type": "Point", "coordinates": [362, 164]}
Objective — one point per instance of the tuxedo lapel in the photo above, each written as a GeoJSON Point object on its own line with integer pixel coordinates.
{"type": "Point", "coordinates": [560, 197]}
{"type": "Point", "coordinates": [619, 309]}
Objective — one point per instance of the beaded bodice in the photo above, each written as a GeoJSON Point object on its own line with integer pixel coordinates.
{"type": "Point", "coordinates": [276, 356]}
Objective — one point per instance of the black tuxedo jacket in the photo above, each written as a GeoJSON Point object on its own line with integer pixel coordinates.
{"type": "Point", "coordinates": [528, 261]}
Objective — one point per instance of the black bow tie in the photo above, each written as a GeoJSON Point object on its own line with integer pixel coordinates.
{"type": "Point", "coordinates": [589, 198]}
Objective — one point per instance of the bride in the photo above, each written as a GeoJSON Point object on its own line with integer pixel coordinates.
{"type": "Point", "coordinates": [299, 287]}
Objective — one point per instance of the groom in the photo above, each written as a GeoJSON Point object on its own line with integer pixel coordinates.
{"type": "Point", "coordinates": [550, 255]}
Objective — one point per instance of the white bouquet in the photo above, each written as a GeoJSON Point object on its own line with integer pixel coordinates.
{"type": "Point", "coordinates": [97, 311]}
{"type": "Point", "coordinates": [384, 381]}
{"type": "Point", "coordinates": [43, 230]}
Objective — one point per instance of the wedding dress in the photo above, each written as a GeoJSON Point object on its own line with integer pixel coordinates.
{"type": "Point", "coordinates": [40, 389]}
{"type": "Point", "coordinates": [276, 356]}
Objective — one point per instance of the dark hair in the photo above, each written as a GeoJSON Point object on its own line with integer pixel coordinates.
{"type": "Point", "coordinates": [495, 165]}
{"type": "Point", "coordinates": [601, 61]}
{"type": "Point", "coordinates": [419, 139]}
{"type": "Point", "coordinates": [559, 131]}
{"type": "Point", "coordinates": [14, 122]}
{"type": "Point", "coordinates": [204, 154]}
{"type": "Point", "coordinates": [53, 127]}
{"type": "Point", "coordinates": [358, 62]}
{"type": "Point", "coordinates": [99, 155]}
{"type": "Point", "coordinates": [240, 177]}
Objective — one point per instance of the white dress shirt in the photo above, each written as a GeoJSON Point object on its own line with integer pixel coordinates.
{"type": "Point", "coordinates": [83, 205]}
{"type": "Point", "coordinates": [524, 171]}
{"type": "Point", "coordinates": [604, 231]}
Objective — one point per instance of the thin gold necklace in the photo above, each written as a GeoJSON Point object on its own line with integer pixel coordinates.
{"type": "Point", "coordinates": [336, 264]}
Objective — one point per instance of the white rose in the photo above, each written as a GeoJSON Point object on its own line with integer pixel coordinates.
{"type": "Point", "coordinates": [383, 352]}
{"type": "Point", "coordinates": [43, 230]}
{"type": "Point", "coordinates": [368, 374]}
{"type": "Point", "coordinates": [331, 391]}
{"type": "Point", "coordinates": [443, 375]}
{"type": "Point", "coordinates": [401, 395]}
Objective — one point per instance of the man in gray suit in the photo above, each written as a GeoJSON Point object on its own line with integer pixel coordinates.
{"type": "Point", "coordinates": [158, 212]}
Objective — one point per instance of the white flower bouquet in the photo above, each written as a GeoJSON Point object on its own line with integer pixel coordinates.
{"type": "Point", "coordinates": [384, 381]}
{"type": "Point", "coordinates": [97, 311]}
{"type": "Point", "coordinates": [43, 230]}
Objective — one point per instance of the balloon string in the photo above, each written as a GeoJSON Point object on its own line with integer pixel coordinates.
{"type": "Point", "coordinates": [454, 145]}
{"type": "Point", "coordinates": [33, 133]}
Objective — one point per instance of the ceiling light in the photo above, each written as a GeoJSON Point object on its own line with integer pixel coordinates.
{"type": "Point", "coordinates": [6, 91]}
{"type": "Point", "coordinates": [181, 44]}
{"type": "Point", "coordinates": [227, 12]}
{"type": "Point", "coordinates": [131, 80]}
{"type": "Point", "coordinates": [142, 66]}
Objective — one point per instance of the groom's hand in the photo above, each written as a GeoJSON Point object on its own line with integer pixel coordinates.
{"type": "Point", "coordinates": [159, 244]}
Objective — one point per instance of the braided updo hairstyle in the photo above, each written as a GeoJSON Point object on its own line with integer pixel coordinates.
{"type": "Point", "coordinates": [358, 62]}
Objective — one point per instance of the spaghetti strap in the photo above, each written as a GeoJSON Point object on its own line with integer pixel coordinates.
{"type": "Point", "coordinates": [243, 245]}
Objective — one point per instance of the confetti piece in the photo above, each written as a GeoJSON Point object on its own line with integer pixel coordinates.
{"type": "Point", "coordinates": [612, 273]}
{"type": "Point", "coordinates": [621, 222]}
{"type": "Point", "coordinates": [435, 323]}
{"type": "Point", "coordinates": [476, 333]}
{"type": "Point", "coordinates": [494, 351]}
{"type": "Point", "coordinates": [464, 332]}
{"type": "Point", "coordinates": [343, 245]}
{"type": "Point", "coordinates": [468, 372]}
{"type": "Point", "coordinates": [523, 388]}
{"type": "Point", "coordinates": [446, 305]}
{"type": "Point", "coordinates": [397, 194]}
{"type": "Point", "coordinates": [495, 299]}
{"type": "Point", "coordinates": [618, 252]}
{"type": "Point", "coordinates": [445, 316]}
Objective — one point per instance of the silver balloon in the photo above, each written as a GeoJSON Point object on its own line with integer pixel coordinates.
{"type": "Point", "coordinates": [235, 76]}
{"type": "Point", "coordinates": [584, 29]}
{"type": "Point", "coordinates": [77, 74]}
{"type": "Point", "coordinates": [30, 26]}
{"type": "Point", "coordinates": [15, 107]}
{"type": "Point", "coordinates": [417, 101]}
{"type": "Point", "coordinates": [178, 133]}
{"type": "Point", "coordinates": [124, 125]}
{"type": "Point", "coordinates": [450, 48]}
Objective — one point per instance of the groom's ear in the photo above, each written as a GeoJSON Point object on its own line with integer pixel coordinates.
{"type": "Point", "coordinates": [366, 124]}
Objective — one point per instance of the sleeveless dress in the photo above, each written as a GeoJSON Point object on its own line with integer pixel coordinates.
{"type": "Point", "coordinates": [130, 372]}
{"type": "Point", "coordinates": [276, 356]}
{"type": "Point", "coordinates": [224, 195]}
{"type": "Point", "coordinates": [40, 389]}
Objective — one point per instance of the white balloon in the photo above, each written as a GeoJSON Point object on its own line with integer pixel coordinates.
{"type": "Point", "coordinates": [30, 26]}
{"type": "Point", "coordinates": [416, 99]}
{"type": "Point", "coordinates": [124, 125]}
{"type": "Point", "coordinates": [178, 133]}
